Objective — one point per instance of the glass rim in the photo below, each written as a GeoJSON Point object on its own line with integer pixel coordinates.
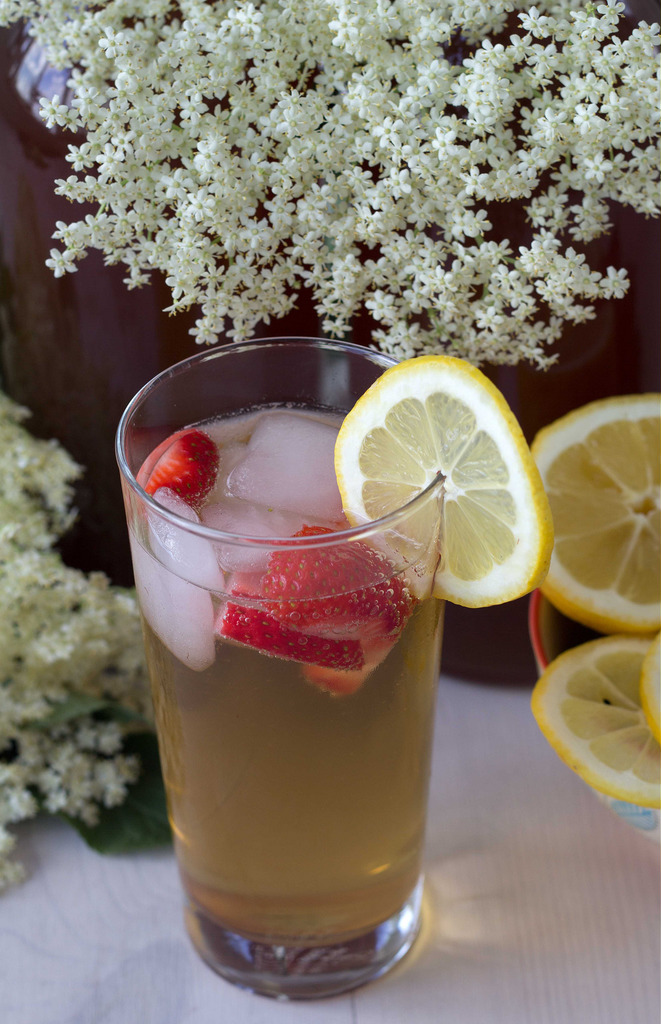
{"type": "Point", "coordinates": [322, 540]}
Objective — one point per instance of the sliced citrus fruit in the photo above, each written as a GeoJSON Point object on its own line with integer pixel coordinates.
{"type": "Point", "coordinates": [601, 466]}
{"type": "Point", "coordinates": [587, 704]}
{"type": "Point", "coordinates": [439, 415]}
{"type": "Point", "coordinates": [650, 687]}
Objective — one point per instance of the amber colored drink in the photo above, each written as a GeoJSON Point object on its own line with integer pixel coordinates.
{"type": "Point", "coordinates": [294, 662]}
{"type": "Point", "coordinates": [297, 812]}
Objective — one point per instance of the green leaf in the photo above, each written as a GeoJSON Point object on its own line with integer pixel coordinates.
{"type": "Point", "coordinates": [141, 822]}
{"type": "Point", "coordinates": [78, 704]}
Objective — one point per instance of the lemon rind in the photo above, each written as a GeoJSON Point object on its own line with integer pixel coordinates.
{"type": "Point", "coordinates": [546, 444]}
{"type": "Point", "coordinates": [624, 617]}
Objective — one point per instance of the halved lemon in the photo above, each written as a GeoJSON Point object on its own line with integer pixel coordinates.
{"type": "Point", "coordinates": [601, 466]}
{"type": "Point", "coordinates": [587, 704]}
{"type": "Point", "coordinates": [650, 687]}
{"type": "Point", "coordinates": [439, 415]}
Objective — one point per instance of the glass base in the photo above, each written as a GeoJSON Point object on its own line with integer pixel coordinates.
{"type": "Point", "coordinates": [305, 972]}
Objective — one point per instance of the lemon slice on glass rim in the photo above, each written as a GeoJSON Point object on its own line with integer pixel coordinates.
{"type": "Point", "coordinates": [601, 466]}
{"type": "Point", "coordinates": [588, 705]}
{"type": "Point", "coordinates": [434, 415]}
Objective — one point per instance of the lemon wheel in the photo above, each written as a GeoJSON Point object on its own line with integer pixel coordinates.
{"type": "Point", "coordinates": [587, 703]}
{"type": "Point", "coordinates": [439, 415]}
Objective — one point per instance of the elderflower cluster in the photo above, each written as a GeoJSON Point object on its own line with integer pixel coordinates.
{"type": "Point", "coordinates": [65, 639]}
{"type": "Point", "coordinates": [377, 154]}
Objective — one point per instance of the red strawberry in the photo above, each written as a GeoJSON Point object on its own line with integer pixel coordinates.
{"type": "Point", "coordinates": [367, 602]}
{"type": "Point", "coordinates": [339, 682]}
{"type": "Point", "coordinates": [258, 629]}
{"type": "Point", "coordinates": [342, 682]}
{"type": "Point", "coordinates": [186, 462]}
{"type": "Point", "coordinates": [340, 639]}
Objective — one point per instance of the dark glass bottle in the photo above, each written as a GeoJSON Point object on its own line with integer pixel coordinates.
{"type": "Point", "coordinates": [74, 349]}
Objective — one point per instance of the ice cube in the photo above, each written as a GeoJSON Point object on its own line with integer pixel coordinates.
{"type": "Point", "coordinates": [180, 613]}
{"type": "Point", "coordinates": [228, 457]}
{"type": "Point", "coordinates": [230, 429]}
{"type": "Point", "coordinates": [190, 557]}
{"type": "Point", "coordinates": [233, 515]}
{"type": "Point", "coordinates": [289, 465]}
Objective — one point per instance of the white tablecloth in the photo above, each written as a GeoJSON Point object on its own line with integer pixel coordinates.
{"type": "Point", "coordinates": [541, 907]}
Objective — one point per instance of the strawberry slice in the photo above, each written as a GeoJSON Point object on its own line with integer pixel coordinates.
{"type": "Point", "coordinates": [343, 682]}
{"type": "Point", "coordinates": [336, 681]}
{"type": "Point", "coordinates": [258, 629]}
{"type": "Point", "coordinates": [186, 462]}
{"type": "Point", "coordinates": [339, 639]}
{"type": "Point", "coordinates": [296, 582]}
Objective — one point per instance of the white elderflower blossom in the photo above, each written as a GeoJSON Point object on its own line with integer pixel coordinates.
{"type": "Point", "coordinates": [64, 637]}
{"type": "Point", "coordinates": [248, 150]}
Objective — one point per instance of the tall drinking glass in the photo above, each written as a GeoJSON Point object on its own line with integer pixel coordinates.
{"type": "Point", "coordinates": [293, 670]}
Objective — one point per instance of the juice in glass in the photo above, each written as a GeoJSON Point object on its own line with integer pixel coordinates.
{"type": "Point", "coordinates": [294, 666]}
